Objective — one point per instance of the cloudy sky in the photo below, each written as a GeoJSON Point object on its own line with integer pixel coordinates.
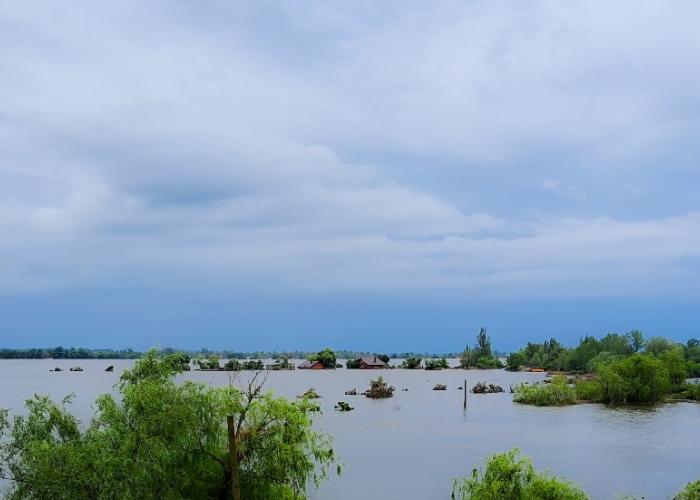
{"type": "Point", "coordinates": [375, 175]}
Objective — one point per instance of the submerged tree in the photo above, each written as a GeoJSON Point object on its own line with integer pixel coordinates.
{"type": "Point", "coordinates": [160, 439]}
{"type": "Point", "coordinates": [508, 476]}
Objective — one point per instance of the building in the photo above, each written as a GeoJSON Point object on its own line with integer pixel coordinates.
{"type": "Point", "coordinates": [310, 365]}
{"type": "Point", "coordinates": [369, 362]}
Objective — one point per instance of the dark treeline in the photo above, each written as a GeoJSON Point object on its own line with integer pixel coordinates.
{"type": "Point", "coordinates": [85, 353]}
{"type": "Point", "coordinates": [68, 353]}
{"type": "Point", "coordinates": [618, 369]}
{"type": "Point", "coordinates": [592, 353]}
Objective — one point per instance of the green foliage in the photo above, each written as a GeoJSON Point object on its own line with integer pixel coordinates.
{"type": "Point", "coordinates": [588, 390]}
{"type": "Point", "coordinates": [509, 476]}
{"type": "Point", "coordinates": [467, 359]}
{"type": "Point", "coordinates": [436, 364]}
{"type": "Point", "coordinates": [326, 357]}
{"type": "Point", "coordinates": [515, 360]}
{"type": "Point", "coordinates": [556, 393]}
{"type": "Point", "coordinates": [637, 379]}
{"type": "Point", "coordinates": [483, 345]}
{"type": "Point", "coordinates": [252, 364]}
{"type": "Point", "coordinates": [352, 363]}
{"type": "Point", "coordinates": [482, 355]}
{"type": "Point", "coordinates": [411, 363]}
{"type": "Point", "coordinates": [210, 363]}
{"type": "Point", "coordinates": [658, 346]}
{"type": "Point", "coordinates": [690, 492]}
{"type": "Point", "coordinates": [691, 391]}
{"type": "Point", "coordinates": [602, 359]}
{"type": "Point", "coordinates": [488, 362]}
{"type": "Point", "coordinates": [378, 388]}
{"type": "Point", "coordinates": [160, 439]}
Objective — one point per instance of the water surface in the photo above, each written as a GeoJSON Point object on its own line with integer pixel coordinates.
{"type": "Point", "coordinates": [411, 446]}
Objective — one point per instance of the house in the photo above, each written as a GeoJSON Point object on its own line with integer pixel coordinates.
{"type": "Point", "coordinates": [368, 362]}
{"type": "Point", "coordinates": [310, 365]}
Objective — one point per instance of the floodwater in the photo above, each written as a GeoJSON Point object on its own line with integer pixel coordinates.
{"type": "Point", "coordinates": [413, 445]}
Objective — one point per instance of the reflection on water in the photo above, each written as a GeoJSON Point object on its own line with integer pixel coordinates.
{"type": "Point", "coordinates": [414, 444]}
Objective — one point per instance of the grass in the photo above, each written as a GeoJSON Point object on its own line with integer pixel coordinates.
{"type": "Point", "coordinates": [557, 393]}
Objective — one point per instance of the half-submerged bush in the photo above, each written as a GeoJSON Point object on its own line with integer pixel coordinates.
{"type": "Point", "coordinates": [637, 379]}
{"type": "Point", "coordinates": [558, 393]}
{"type": "Point", "coordinates": [509, 476]}
{"type": "Point", "coordinates": [690, 492]}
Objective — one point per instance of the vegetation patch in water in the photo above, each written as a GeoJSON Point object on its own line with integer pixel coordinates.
{"type": "Point", "coordinates": [510, 476]}
{"type": "Point", "coordinates": [557, 393]}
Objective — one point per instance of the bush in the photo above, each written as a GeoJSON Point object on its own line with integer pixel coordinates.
{"type": "Point", "coordinates": [411, 363]}
{"type": "Point", "coordinates": [637, 379]}
{"type": "Point", "coordinates": [487, 362]}
{"type": "Point", "coordinates": [690, 492]}
{"type": "Point", "coordinates": [558, 393]}
{"type": "Point", "coordinates": [588, 390]}
{"type": "Point", "coordinates": [692, 391]}
{"type": "Point", "coordinates": [436, 364]}
{"type": "Point", "coordinates": [509, 476]}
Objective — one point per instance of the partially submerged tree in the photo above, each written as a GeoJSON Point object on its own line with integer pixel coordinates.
{"type": "Point", "coordinates": [411, 362]}
{"type": "Point", "coordinates": [160, 439]}
{"type": "Point", "coordinates": [508, 476]}
{"type": "Point", "coordinates": [378, 388]}
{"type": "Point", "coordinates": [326, 357]}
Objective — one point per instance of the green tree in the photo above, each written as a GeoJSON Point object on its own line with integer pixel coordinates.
{"type": "Point", "coordinates": [326, 357]}
{"type": "Point", "coordinates": [690, 492]}
{"type": "Point", "coordinates": [658, 345]}
{"type": "Point", "coordinates": [160, 439]}
{"type": "Point", "coordinates": [637, 379]}
{"type": "Point", "coordinates": [509, 476]}
{"type": "Point", "coordinates": [467, 359]}
{"type": "Point", "coordinates": [411, 362]}
{"type": "Point", "coordinates": [635, 339]}
{"type": "Point", "coordinates": [483, 345]}
{"type": "Point", "coordinates": [515, 360]}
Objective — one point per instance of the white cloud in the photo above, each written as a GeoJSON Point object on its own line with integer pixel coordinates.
{"type": "Point", "coordinates": [330, 149]}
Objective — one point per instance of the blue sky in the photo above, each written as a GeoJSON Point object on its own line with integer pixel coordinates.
{"type": "Point", "coordinates": [369, 175]}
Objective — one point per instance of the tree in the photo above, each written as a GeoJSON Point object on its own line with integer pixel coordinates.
{"type": "Point", "coordinates": [411, 362]}
{"type": "Point", "coordinates": [508, 476]}
{"type": "Point", "coordinates": [638, 378]}
{"type": "Point", "coordinates": [436, 364]}
{"type": "Point", "coordinates": [326, 357]}
{"type": "Point", "coordinates": [635, 339]}
{"type": "Point", "coordinates": [515, 360]}
{"type": "Point", "coordinates": [160, 439]}
{"type": "Point", "coordinates": [467, 359]}
{"type": "Point", "coordinates": [690, 492]}
{"type": "Point", "coordinates": [483, 345]}
{"type": "Point", "coordinates": [658, 345]}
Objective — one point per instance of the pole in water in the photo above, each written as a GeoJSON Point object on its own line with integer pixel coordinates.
{"type": "Point", "coordinates": [465, 394]}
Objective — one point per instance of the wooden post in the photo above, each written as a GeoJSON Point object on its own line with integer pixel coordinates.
{"type": "Point", "coordinates": [233, 459]}
{"type": "Point", "coordinates": [465, 394]}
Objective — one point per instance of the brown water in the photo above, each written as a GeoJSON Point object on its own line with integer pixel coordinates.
{"type": "Point", "coordinates": [411, 446]}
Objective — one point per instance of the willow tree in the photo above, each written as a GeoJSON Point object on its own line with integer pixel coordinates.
{"type": "Point", "coordinates": [161, 439]}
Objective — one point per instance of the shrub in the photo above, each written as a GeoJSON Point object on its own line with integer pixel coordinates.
{"type": "Point", "coordinates": [692, 391]}
{"type": "Point", "coordinates": [411, 363]}
{"type": "Point", "coordinates": [509, 476]}
{"type": "Point", "coordinates": [557, 393]}
{"type": "Point", "coordinates": [636, 379]}
{"type": "Point", "coordinates": [436, 364]}
{"type": "Point", "coordinates": [486, 362]}
{"type": "Point", "coordinates": [588, 390]}
{"type": "Point", "coordinates": [690, 492]}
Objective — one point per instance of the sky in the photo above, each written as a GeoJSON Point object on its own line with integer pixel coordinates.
{"type": "Point", "coordinates": [365, 175]}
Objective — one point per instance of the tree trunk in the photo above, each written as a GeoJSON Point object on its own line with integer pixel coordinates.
{"type": "Point", "coordinates": [233, 459]}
